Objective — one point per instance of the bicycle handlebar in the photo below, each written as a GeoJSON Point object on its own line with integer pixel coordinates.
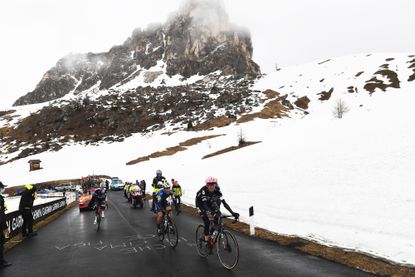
{"type": "Point", "coordinates": [228, 216]}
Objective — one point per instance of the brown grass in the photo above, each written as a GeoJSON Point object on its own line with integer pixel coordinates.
{"type": "Point", "coordinates": [271, 110]}
{"type": "Point", "coordinates": [346, 257]}
{"type": "Point", "coordinates": [269, 93]}
{"type": "Point", "coordinates": [302, 102]}
{"type": "Point", "coordinates": [372, 84]}
{"type": "Point", "coordinates": [172, 150]}
{"type": "Point", "coordinates": [215, 122]}
{"type": "Point", "coordinates": [359, 73]}
{"type": "Point", "coordinates": [325, 95]}
{"type": "Point", "coordinates": [232, 148]}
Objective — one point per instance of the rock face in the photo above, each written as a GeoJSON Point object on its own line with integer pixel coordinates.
{"type": "Point", "coordinates": [112, 117]}
{"type": "Point", "coordinates": [187, 45]}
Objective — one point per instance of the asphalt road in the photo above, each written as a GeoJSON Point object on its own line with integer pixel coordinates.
{"type": "Point", "coordinates": [126, 246]}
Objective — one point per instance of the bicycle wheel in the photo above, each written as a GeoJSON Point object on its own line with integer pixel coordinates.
{"type": "Point", "coordinates": [162, 229]}
{"type": "Point", "coordinates": [98, 221]}
{"type": "Point", "coordinates": [161, 234]}
{"type": "Point", "coordinates": [201, 249]}
{"type": "Point", "coordinates": [172, 234]}
{"type": "Point", "coordinates": [227, 249]}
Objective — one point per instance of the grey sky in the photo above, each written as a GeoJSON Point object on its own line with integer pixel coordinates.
{"type": "Point", "coordinates": [35, 34]}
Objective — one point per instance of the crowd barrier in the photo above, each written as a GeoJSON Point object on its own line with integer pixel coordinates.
{"type": "Point", "coordinates": [14, 220]}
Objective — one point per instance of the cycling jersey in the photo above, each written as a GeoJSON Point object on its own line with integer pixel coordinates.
{"type": "Point", "coordinates": [98, 199]}
{"type": "Point", "coordinates": [205, 198]}
{"type": "Point", "coordinates": [164, 199]}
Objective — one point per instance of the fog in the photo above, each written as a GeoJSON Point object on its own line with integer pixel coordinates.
{"type": "Point", "coordinates": [36, 34]}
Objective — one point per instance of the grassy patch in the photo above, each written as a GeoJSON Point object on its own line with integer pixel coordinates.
{"type": "Point", "coordinates": [232, 148]}
{"type": "Point", "coordinates": [172, 150]}
{"type": "Point", "coordinates": [325, 95]}
{"type": "Point", "coordinates": [271, 110]}
{"type": "Point", "coordinates": [215, 122]}
{"type": "Point", "coordinates": [374, 83]}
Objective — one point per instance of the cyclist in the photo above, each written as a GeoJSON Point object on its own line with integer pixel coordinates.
{"type": "Point", "coordinates": [208, 199]}
{"type": "Point", "coordinates": [157, 184]}
{"type": "Point", "coordinates": [99, 200]}
{"type": "Point", "coordinates": [164, 199]}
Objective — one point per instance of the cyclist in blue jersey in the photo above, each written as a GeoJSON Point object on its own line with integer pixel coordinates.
{"type": "Point", "coordinates": [164, 199]}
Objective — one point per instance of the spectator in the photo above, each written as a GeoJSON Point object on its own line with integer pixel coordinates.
{"type": "Point", "coordinates": [143, 187]}
{"type": "Point", "coordinates": [25, 208]}
{"type": "Point", "coordinates": [3, 226]}
{"type": "Point", "coordinates": [177, 192]}
{"type": "Point", "coordinates": [107, 185]}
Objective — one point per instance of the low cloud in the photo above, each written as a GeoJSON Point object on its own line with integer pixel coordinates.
{"type": "Point", "coordinates": [208, 13]}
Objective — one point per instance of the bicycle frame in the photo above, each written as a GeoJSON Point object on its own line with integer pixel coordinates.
{"type": "Point", "coordinates": [169, 229]}
{"type": "Point", "coordinates": [98, 214]}
{"type": "Point", "coordinates": [216, 242]}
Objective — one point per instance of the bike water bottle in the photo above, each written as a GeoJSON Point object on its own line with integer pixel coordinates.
{"type": "Point", "coordinates": [215, 232]}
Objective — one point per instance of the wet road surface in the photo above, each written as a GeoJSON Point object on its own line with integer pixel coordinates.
{"type": "Point", "coordinates": [126, 245]}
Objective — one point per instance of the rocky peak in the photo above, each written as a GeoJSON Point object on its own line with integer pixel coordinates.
{"type": "Point", "coordinates": [196, 40]}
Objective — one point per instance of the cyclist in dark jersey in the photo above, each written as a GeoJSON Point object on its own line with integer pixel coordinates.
{"type": "Point", "coordinates": [99, 200]}
{"type": "Point", "coordinates": [208, 199]}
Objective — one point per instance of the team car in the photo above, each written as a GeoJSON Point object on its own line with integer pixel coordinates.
{"type": "Point", "coordinates": [85, 198]}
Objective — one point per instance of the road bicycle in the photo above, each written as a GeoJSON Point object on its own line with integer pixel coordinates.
{"type": "Point", "coordinates": [223, 240]}
{"type": "Point", "coordinates": [168, 229]}
{"type": "Point", "coordinates": [98, 215]}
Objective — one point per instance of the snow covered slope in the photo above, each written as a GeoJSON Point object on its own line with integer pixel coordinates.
{"type": "Point", "coordinates": [346, 182]}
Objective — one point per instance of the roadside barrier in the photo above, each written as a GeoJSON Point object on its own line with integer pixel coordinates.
{"type": "Point", "coordinates": [14, 220]}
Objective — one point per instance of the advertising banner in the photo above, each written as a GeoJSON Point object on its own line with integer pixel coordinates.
{"type": "Point", "coordinates": [14, 220]}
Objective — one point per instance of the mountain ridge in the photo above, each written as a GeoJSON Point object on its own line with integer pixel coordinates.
{"type": "Point", "coordinates": [182, 46]}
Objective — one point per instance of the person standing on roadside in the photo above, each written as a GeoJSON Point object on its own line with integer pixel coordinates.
{"type": "Point", "coordinates": [107, 185]}
{"type": "Point", "coordinates": [3, 226]}
{"type": "Point", "coordinates": [177, 192]}
{"type": "Point", "coordinates": [25, 209]}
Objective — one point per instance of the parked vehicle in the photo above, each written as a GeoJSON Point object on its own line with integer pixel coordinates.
{"type": "Point", "coordinates": [117, 184]}
{"type": "Point", "coordinates": [85, 198]}
{"type": "Point", "coordinates": [45, 191]}
{"type": "Point", "coordinates": [63, 187]}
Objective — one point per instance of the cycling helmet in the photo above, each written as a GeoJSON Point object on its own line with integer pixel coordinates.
{"type": "Point", "coordinates": [210, 180]}
{"type": "Point", "coordinates": [158, 172]}
{"type": "Point", "coordinates": [166, 185]}
{"type": "Point", "coordinates": [136, 188]}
